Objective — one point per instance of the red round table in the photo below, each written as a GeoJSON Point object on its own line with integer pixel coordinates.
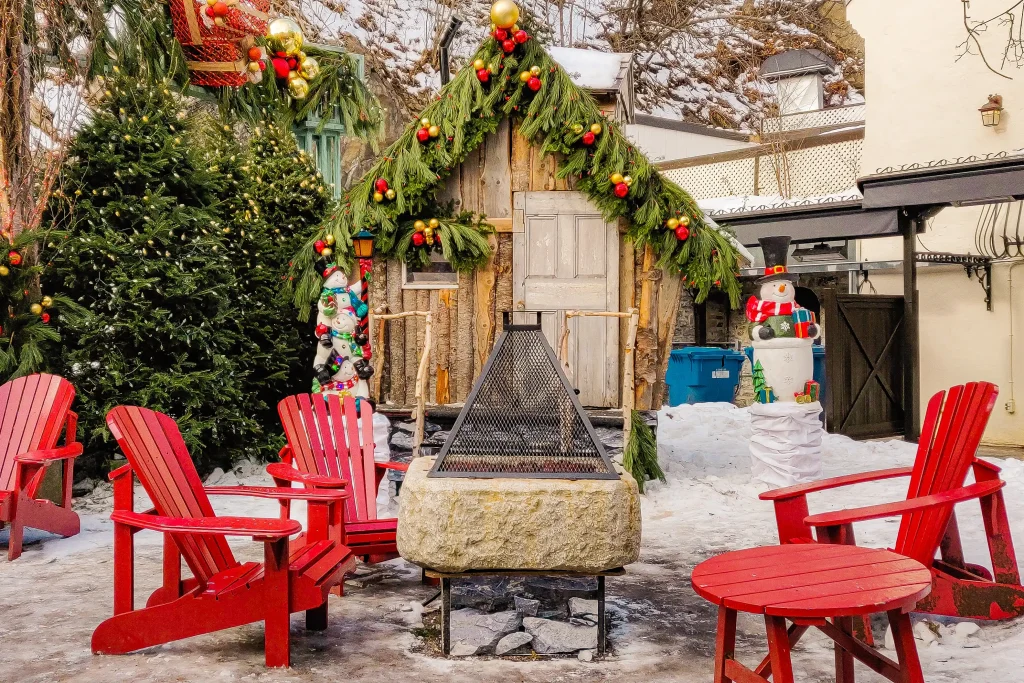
{"type": "Point", "coordinates": [818, 585]}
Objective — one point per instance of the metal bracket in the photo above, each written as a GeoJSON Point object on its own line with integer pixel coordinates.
{"type": "Point", "coordinates": [977, 267]}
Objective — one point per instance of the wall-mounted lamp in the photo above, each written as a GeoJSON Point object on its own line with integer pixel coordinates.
{"type": "Point", "coordinates": [992, 111]}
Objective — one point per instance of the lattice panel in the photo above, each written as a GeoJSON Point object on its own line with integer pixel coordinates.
{"type": "Point", "coordinates": [853, 114]}
{"type": "Point", "coordinates": [721, 179]}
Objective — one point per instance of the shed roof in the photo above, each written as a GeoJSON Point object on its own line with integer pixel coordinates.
{"type": "Point", "coordinates": [591, 69]}
{"type": "Point", "coordinates": [797, 63]}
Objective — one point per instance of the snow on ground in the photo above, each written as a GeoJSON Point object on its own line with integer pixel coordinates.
{"type": "Point", "coordinates": [60, 589]}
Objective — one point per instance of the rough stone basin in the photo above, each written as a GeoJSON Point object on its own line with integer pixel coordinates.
{"type": "Point", "coordinates": [460, 524]}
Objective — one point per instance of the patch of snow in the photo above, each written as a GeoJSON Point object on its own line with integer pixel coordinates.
{"type": "Point", "coordinates": [590, 68]}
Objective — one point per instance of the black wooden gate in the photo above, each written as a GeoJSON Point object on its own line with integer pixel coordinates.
{"type": "Point", "coordinates": [864, 337]}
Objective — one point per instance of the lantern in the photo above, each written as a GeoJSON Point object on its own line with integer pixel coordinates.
{"type": "Point", "coordinates": [992, 111]}
{"type": "Point", "coordinates": [362, 244]}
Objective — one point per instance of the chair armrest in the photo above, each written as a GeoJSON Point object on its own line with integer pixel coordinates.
{"type": "Point", "coordinates": [986, 465]}
{"type": "Point", "coordinates": [45, 455]}
{"type": "Point", "coordinates": [313, 495]}
{"type": "Point", "coordinates": [220, 526]}
{"type": "Point", "coordinates": [834, 482]}
{"type": "Point", "coordinates": [397, 466]}
{"type": "Point", "coordinates": [842, 517]}
{"type": "Point", "coordinates": [280, 470]}
{"type": "Point", "coordinates": [121, 471]}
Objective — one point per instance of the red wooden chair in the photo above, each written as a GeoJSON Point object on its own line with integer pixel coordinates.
{"type": "Point", "coordinates": [36, 409]}
{"type": "Point", "coordinates": [221, 592]}
{"type": "Point", "coordinates": [949, 440]}
{"type": "Point", "coordinates": [323, 452]}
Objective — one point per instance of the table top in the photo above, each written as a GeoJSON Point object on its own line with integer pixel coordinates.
{"type": "Point", "coordinates": [812, 580]}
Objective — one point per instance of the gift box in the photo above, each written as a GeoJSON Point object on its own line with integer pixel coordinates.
{"type": "Point", "coordinates": [766, 395]}
{"type": "Point", "coordinates": [802, 320]}
{"type": "Point", "coordinates": [811, 389]}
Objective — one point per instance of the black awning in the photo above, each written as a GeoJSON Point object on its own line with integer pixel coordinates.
{"type": "Point", "coordinates": [947, 185]}
{"type": "Point", "coordinates": [812, 223]}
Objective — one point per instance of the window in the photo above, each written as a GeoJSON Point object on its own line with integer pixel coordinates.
{"type": "Point", "coordinates": [438, 275]}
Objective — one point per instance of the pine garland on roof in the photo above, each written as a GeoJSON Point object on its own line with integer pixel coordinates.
{"type": "Point", "coordinates": [561, 118]}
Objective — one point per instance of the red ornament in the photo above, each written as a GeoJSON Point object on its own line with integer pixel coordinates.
{"type": "Point", "coordinates": [483, 74]}
{"type": "Point", "coordinates": [621, 190]}
{"type": "Point", "coordinates": [588, 138]}
{"type": "Point", "coordinates": [533, 84]}
{"type": "Point", "coordinates": [508, 45]}
{"type": "Point", "coordinates": [45, 317]}
{"type": "Point", "coordinates": [293, 63]}
{"type": "Point", "coordinates": [500, 35]}
{"type": "Point", "coordinates": [220, 8]}
{"type": "Point", "coordinates": [319, 246]}
{"type": "Point", "coordinates": [520, 36]}
{"type": "Point", "coordinates": [322, 329]}
{"type": "Point", "coordinates": [281, 54]}
{"type": "Point", "coordinates": [281, 67]}
{"type": "Point", "coordinates": [255, 53]}
{"type": "Point", "coordinates": [14, 257]}
{"type": "Point", "coordinates": [682, 232]}
{"type": "Point", "coordinates": [381, 185]}
{"type": "Point", "coordinates": [209, 12]}
{"type": "Point", "coordinates": [418, 239]}
{"type": "Point", "coordinates": [423, 134]}
{"type": "Point", "coordinates": [263, 65]}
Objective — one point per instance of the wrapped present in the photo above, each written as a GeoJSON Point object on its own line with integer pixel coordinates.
{"type": "Point", "coordinates": [765, 395]}
{"type": "Point", "coordinates": [196, 21]}
{"type": "Point", "coordinates": [802, 320]}
{"type": "Point", "coordinates": [811, 389]}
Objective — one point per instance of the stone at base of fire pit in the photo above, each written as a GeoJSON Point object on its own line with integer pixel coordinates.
{"type": "Point", "coordinates": [553, 637]}
{"type": "Point", "coordinates": [474, 632]}
{"type": "Point", "coordinates": [454, 524]}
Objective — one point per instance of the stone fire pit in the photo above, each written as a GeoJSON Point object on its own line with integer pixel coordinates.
{"type": "Point", "coordinates": [456, 524]}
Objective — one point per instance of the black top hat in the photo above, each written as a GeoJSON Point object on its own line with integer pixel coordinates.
{"type": "Point", "coordinates": [776, 254]}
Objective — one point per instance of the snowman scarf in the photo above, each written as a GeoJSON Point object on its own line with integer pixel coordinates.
{"type": "Point", "coordinates": [759, 311]}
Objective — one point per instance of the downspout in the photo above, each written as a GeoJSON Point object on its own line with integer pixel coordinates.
{"type": "Point", "coordinates": [446, 43]}
{"type": "Point", "coordinates": [1011, 403]}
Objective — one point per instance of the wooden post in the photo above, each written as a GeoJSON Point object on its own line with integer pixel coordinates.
{"type": "Point", "coordinates": [421, 377]}
{"type": "Point", "coordinates": [378, 343]}
{"type": "Point", "coordinates": [647, 334]}
{"type": "Point", "coordinates": [911, 346]}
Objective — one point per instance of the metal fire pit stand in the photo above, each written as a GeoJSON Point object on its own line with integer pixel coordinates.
{"type": "Point", "coordinates": [446, 597]}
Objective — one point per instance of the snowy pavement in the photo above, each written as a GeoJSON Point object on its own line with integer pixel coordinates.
{"type": "Point", "coordinates": [52, 598]}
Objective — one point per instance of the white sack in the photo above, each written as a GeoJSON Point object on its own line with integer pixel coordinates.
{"type": "Point", "coordinates": [785, 445]}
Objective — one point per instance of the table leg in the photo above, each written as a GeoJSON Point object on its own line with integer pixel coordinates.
{"type": "Point", "coordinates": [446, 616]}
{"type": "Point", "coordinates": [725, 647]}
{"type": "Point", "coordinates": [844, 660]}
{"type": "Point", "coordinates": [602, 626]}
{"type": "Point", "coordinates": [778, 649]}
{"type": "Point", "coordinates": [906, 649]}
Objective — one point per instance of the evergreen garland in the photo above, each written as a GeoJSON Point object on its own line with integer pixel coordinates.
{"type": "Point", "coordinates": [640, 457]}
{"type": "Point", "coordinates": [463, 241]}
{"type": "Point", "coordinates": [556, 118]}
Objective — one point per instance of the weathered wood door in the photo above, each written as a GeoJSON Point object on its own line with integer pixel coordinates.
{"type": "Point", "coordinates": [565, 256]}
{"type": "Point", "coordinates": [864, 396]}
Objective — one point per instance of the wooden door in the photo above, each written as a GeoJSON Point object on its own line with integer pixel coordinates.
{"type": "Point", "coordinates": [565, 256]}
{"type": "Point", "coordinates": [864, 395]}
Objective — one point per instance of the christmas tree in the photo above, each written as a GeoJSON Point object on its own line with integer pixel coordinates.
{"type": "Point", "coordinates": [147, 254]}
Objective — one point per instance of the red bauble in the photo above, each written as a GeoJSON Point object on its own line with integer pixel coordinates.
{"type": "Point", "coordinates": [508, 45]}
{"type": "Point", "coordinates": [322, 329]}
{"type": "Point", "coordinates": [520, 37]}
{"type": "Point", "coordinates": [220, 8]}
{"type": "Point", "coordinates": [281, 67]}
{"type": "Point", "coordinates": [423, 134]}
{"type": "Point", "coordinates": [621, 190]}
{"type": "Point", "coordinates": [263, 65]}
{"type": "Point", "coordinates": [209, 12]}
{"type": "Point", "coordinates": [45, 317]}
{"type": "Point", "coordinates": [14, 257]}
{"type": "Point", "coordinates": [588, 138]}
{"type": "Point", "coordinates": [500, 35]}
{"type": "Point", "coordinates": [483, 74]}
{"type": "Point", "coordinates": [533, 84]}
{"type": "Point", "coordinates": [293, 63]}
{"type": "Point", "coordinates": [281, 54]}
{"type": "Point", "coordinates": [319, 245]}
{"type": "Point", "coordinates": [682, 232]}
{"type": "Point", "coordinates": [381, 185]}
{"type": "Point", "coordinates": [418, 239]}
{"type": "Point", "coordinates": [255, 53]}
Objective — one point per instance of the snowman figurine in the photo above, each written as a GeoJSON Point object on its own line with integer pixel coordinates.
{"type": "Point", "coordinates": [782, 331]}
{"type": "Point", "coordinates": [339, 365]}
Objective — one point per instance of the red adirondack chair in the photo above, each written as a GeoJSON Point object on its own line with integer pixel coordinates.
{"type": "Point", "coordinates": [949, 440]}
{"type": "Point", "coordinates": [221, 592]}
{"type": "Point", "coordinates": [36, 409]}
{"type": "Point", "coordinates": [323, 452]}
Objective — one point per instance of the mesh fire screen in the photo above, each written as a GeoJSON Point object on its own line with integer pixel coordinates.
{"type": "Point", "coordinates": [523, 419]}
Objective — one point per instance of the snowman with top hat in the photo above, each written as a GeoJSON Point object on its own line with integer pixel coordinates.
{"type": "Point", "coordinates": [340, 365]}
{"type": "Point", "coordinates": [782, 332]}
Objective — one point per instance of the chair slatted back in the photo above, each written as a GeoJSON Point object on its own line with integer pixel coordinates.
{"type": "Point", "coordinates": [35, 410]}
{"type": "Point", "coordinates": [158, 456]}
{"type": "Point", "coordinates": [949, 440]}
{"type": "Point", "coordinates": [324, 437]}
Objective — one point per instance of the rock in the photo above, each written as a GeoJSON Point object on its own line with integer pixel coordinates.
{"type": "Point", "coordinates": [965, 629]}
{"type": "Point", "coordinates": [550, 637]}
{"type": "Point", "coordinates": [527, 607]}
{"type": "Point", "coordinates": [578, 607]}
{"type": "Point", "coordinates": [890, 642]}
{"type": "Point", "coordinates": [511, 642]}
{"type": "Point", "coordinates": [401, 440]}
{"type": "Point", "coordinates": [924, 633]}
{"type": "Point", "coordinates": [487, 593]}
{"type": "Point", "coordinates": [583, 621]}
{"type": "Point", "coordinates": [475, 632]}
{"type": "Point", "coordinates": [585, 656]}
{"type": "Point", "coordinates": [83, 487]}
{"type": "Point", "coordinates": [453, 524]}
{"type": "Point", "coordinates": [408, 427]}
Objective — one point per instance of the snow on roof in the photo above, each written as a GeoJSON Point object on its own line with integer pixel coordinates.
{"type": "Point", "coordinates": [592, 69]}
{"type": "Point", "coordinates": [797, 62]}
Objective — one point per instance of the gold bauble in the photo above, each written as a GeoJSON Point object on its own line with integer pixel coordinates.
{"type": "Point", "coordinates": [329, 240]}
{"type": "Point", "coordinates": [596, 129]}
{"type": "Point", "coordinates": [390, 193]}
{"type": "Point", "coordinates": [672, 223]}
{"type": "Point", "coordinates": [378, 197]}
{"type": "Point", "coordinates": [504, 13]}
{"type": "Point", "coordinates": [47, 301]}
{"type": "Point", "coordinates": [616, 178]}
{"type": "Point", "coordinates": [434, 131]}
{"type": "Point", "coordinates": [428, 234]}
{"type": "Point", "coordinates": [326, 252]}
{"type": "Point", "coordinates": [535, 70]}
{"type": "Point", "coordinates": [298, 87]}
{"type": "Point", "coordinates": [254, 67]}
{"type": "Point", "coordinates": [285, 35]}
{"type": "Point", "coordinates": [684, 220]}
{"type": "Point", "coordinates": [424, 122]}
{"type": "Point", "coordinates": [419, 226]}
{"type": "Point", "coordinates": [479, 64]}
{"type": "Point", "coordinates": [524, 76]}
{"type": "Point", "coordinates": [434, 223]}
{"type": "Point", "coordinates": [628, 179]}
{"type": "Point", "coordinates": [309, 68]}
{"type": "Point", "coordinates": [36, 309]}
{"type": "Point", "coordinates": [5, 271]}
{"type": "Point", "coordinates": [577, 128]}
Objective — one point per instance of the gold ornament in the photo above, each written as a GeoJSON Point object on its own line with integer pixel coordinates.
{"type": "Point", "coordinates": [419, 226]}
{"type": "Point", "coordinates": [326, 253]}
{"type": "Point", "coordinates": [285, 36]}
{"type": "Point", "coordinates": [329, 240]}
{"type": "Point", "coordinates": [254, 67]}
{"type": "Point", "coordinates": [672, 223]}
{"type": "Point", "coordinates": [298, 87]}
{"type": "Point", "coordinates": [535, 70]}
{"type": "Point", "coordinates": [425, 122]}
{"type": "Point", "coordinates": [596, 129]}
{"type": "Point", "coordinates": [434, 223]}
{"type": "Point", "coordinates": [577, 128]}
{"type": "Point", "coordinates": [390, 194]}
{"type": "Point", "coordinates": [433, 131]}
{"type": "Point", "coordinates": [524, 76]}
{"type": "Point", "coordinates": [684, 220]}
{"type": "Point", "coordinates": [428, 234]}
{"type": "Point", "coordinates": [378, 197]}
{"type": "Point", "coordinates": [36, 309]}
{"type": "Point", "coordinates": [309, 68]}
{"type": "Point", "coordinates": [628, 179]}
{"type": "Point", "coordinates": [616, 178]}
{"type": "Point", "coordinates": [4, 271]}
{"type": "Point", "coordinates": [479, 64]}
{"type": "Point", "coordinates": [504, 13]}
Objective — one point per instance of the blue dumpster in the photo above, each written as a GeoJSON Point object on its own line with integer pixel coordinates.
{"type": "Point", "coordinates": [819, 366]}
{"type": "Point", "coordinates": [701, 374]}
